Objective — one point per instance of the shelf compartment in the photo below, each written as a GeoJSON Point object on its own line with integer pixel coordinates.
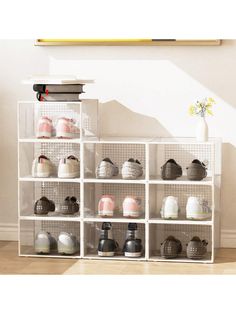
{"type": "Point", "coordinates": [183, 154]}
{"type": "Point", "coordinates": [30, 113]}
{"type": "Point", "coordinates": [159, 232]}
{"type": "Point", "coordinates": [92, 234]}
{"type": "Point", "coordinates": [94, 191]}
{"type": "Point", "coordinates": [94, 153]}
{"type": "Point", "coordinates": [54, 151]}
{"type": "Point", "coordinates": [30, 228]}
{"type": "Point", "coordinates": [30, 192]}
{"type": "Point", "coordinates": [182, 192]}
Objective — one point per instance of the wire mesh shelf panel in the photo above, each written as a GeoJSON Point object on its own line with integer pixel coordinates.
{"type": "Point", "coordinates": [29, 230]}
{"type": "Point", "coordinates": [53, 151]}
{"type": "Point", "coordinates": [30, 192]}
{"type": "Point", "coordinates": [118, 153]}
{"type": "Point", "coordinates": [94, 191]}
{"type": "Point", "coordinates": [92, 234]}
{"type": "Point", "coordinates": [183, 154]}
{"type": "Point", "coordinates": [90, 117]}
{"type": "Point", "coordinates": [184, 233]}
{"type": "Point", "coordinates": [158, 192]}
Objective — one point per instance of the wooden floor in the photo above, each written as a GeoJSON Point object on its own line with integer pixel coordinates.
{"type": "Point", "coordinates": [10, 263]}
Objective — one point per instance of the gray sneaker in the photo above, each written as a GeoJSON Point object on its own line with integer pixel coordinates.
{"type": "Point", "coordinates": [67, 243]}
{"type": "Point", "coordinates": [106, 169]}
{"type": "Point", "coordinates": [44, 243]}
{"type": "Point", "coordinates": [132, 169]}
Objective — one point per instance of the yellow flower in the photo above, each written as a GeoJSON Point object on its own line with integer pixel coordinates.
{"type": "Point", "coordinates": [191, 110]}
{"type": "Point", "coordinates": [211, 100]}
{"type": "Point", "coordinates": [209, 112]}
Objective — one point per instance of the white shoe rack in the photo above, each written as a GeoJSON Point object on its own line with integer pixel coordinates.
{"type": "Point", "coordinates": [91, 149]}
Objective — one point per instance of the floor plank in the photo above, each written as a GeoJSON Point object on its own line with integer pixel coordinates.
{"type": "Point", "coordinates": [11, 263]}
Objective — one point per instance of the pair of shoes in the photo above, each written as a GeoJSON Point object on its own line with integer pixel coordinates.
{"type": "Point", "coordinates": [65, 128]}
{"type": "Point", "coordinates": [195, 171]}
{"type": "Point", "coordinates": [43, 206]}
{"type": "Point", "coordinates": [107, 246]}
{"type": "Point", "coordinates": [66, 244]}
{"type": "Point", "coordinates": [172, 247]}
{"type": "Point", "coordinates": [131, 169]}
{"type": "Point", "coordinates": [69, 167]}
{"type": "Point", "coordinates": [196, 208]}
{"type": "Point", "coordinates": [131, 206]}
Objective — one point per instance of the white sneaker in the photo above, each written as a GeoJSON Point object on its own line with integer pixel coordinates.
{"type": "Point", "coordinates": [66, 128]}
{"type": "Point", "coordinates": [69, 168]}
{"type": "Point", "coordinates": [197, 208]}
{"type": "Point", "coordinates": [42, 167]}
{"type": "Point", "coordinates": [67, 243]}
{"type": "Point", "coordinates": [170, 208]}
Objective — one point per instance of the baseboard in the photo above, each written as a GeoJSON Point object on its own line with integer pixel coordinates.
{"type": "Point", "coordinates": [8, 232]}
{"type": "Point", "coordinates": [228, 238]}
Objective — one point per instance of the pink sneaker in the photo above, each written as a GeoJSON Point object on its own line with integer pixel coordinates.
{"type": "Point", "coordinates": [132, 207]}
{"type": "Point", "coordinates": [106, 206]}
{"type": "Point", "coordinates": [66, 128]}
{"type": "Point", "coordinates": [44, 128]}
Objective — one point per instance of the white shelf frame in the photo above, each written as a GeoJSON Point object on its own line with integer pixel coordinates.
{"type": "Point", "coordinates": [147, 181]}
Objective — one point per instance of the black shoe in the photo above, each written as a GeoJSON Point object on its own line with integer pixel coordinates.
{"type": "Point", "coordinates": [43, 206]}
{"type": "Point", "coordinates": [171, 170]}
{"type": "Point", "coordinates": [171, 247]}
{"type": "Point", "coordinates": [132, 246]}
{"type": "Point", "coordinates": [107, 246]}
{"type": "Point", "coordinates": [70, 206]}
{"type": "Point", "coordinates": [196, 170]}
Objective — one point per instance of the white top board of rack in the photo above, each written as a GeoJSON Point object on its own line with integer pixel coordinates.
{"type": "Point", "coordinates": [55, 79]}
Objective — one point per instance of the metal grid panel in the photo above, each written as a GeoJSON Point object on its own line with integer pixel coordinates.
{"type": "Point", "coordinates": [56, 151]}
{"type": "Point", "coordinates": [56, 227]}
{"type": "Point", "coordinates": [56, 110]}
{"type": "Point", "coordinates": [185, 153]}
{"type": "Point", "coordinates": [184, 233]}
{"type": "Point", "coordinates": [92, 234]}
{"type": "Point", "coordinates": [57, 192]}
{"type": "Point", "coordinates": [119, 153]}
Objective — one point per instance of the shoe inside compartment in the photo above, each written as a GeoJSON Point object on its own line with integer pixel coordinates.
{"type": "Point", "coordinates": [30, 113]}
{"type": "Point", "coordinates": [53, 151]}
{"type": "Point", "coordinates": [183, 154]}
{"type": "Point", "coordinates": [159, 232]}
{"type": "Point", "coordinates": [29, 230]}
{"type": "Point", "coordinates": [30, 192]}
{"type": "Point", "coordinates": [94, 191]}
{"type": "Point", "coordinates": [182, 192]}
{"type": "Point", "coordinates": [118, 154]}
{"type": "Point", "coordinates": [92, 232]}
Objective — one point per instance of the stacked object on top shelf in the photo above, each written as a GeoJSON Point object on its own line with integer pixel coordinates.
{"type": "Point", "coordinates": [58, 92]}
{"type": "Point", "coordinates": [57, 88]}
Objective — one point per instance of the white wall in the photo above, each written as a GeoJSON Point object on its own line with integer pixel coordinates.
{"type": "Point", "coordinates": [145, 91]}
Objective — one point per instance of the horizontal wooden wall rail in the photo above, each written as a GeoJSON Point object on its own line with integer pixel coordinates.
{"type": "Point", "coordinates": [127, 42]}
